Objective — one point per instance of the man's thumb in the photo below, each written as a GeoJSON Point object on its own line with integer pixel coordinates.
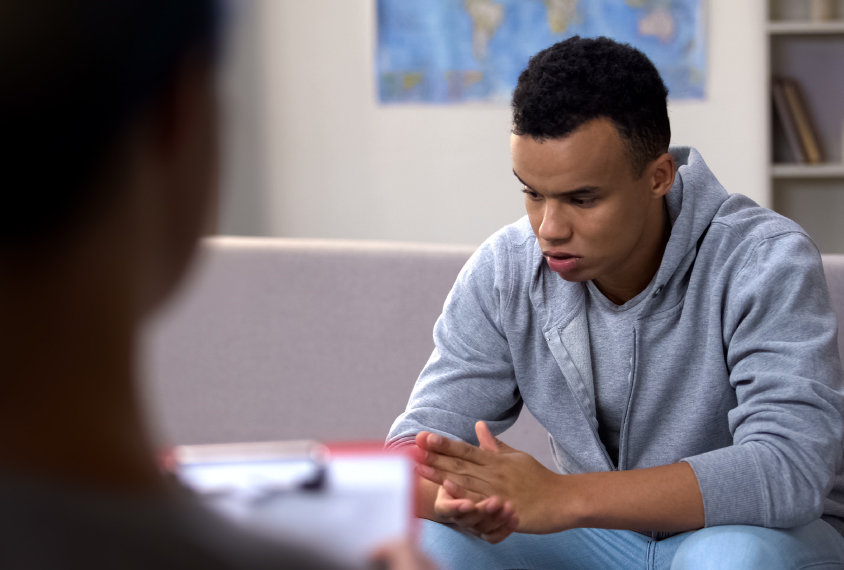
{"type": "Point", "coordinates": [487, 441]}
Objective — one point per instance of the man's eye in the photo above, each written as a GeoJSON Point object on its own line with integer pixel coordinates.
{"type": "Point", "coordinates": [531, 194]}
{"type": "Point", "coordinates": [583, 201]}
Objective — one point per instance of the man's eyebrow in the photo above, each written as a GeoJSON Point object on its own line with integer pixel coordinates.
{"type": "Point", "coordinates": [574, 192]}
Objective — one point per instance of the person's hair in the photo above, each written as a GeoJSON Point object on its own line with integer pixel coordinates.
{"type": "Point", "coordinates": [581, 79]}
{"type": "Point", "coordinates": [74, 74]}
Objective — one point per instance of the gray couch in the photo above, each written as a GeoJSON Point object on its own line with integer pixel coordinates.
{"type": "Point", "coordinates": [289, 339]}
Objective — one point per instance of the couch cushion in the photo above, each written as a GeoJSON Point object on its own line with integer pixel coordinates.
{"type": "Point", "coordinates": [285, 339]}
{"type": "Point", "coordinates": [833, 266]}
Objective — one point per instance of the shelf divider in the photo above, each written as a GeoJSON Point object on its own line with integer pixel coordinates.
{"type": "Point", "coordinates": [827, 170]}
{"type": "Point", "coordinates": [805, 27]}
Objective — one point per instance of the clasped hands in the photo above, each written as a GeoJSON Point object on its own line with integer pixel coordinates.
{"type": "Point", "coordinates": [491, 490]}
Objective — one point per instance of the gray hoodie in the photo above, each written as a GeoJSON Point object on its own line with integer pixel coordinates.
{"type": "Point", "coordinates": [736, 367]}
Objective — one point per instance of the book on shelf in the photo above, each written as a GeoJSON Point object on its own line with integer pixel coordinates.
{"type": "Point", "coordinates": [821, 10]}
{"type": "Point", "coordinates": [787, 122]}
{"type": "Point", "coordinates": [794, 116]}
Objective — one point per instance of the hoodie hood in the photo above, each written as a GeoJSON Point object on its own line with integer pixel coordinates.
{"type": "Point", "coordinates": [692, 203]}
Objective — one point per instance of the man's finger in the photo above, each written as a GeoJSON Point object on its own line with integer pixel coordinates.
{"type": "Point", "coordinates": [469, 520]}
{"type": "Point", "coordinates": [421, 439]}
{"type": "Point", "coordinates": [459, 492]}
{"type": "Point", "coordinates": [431, 474]}
{"type": "Point", "coordinates": [488, 441]}
{"type": "Point", "coordinates": [476, 518]}
{"type": "Point", "coordinates": [455, 490]}
{"type": "Point", "coordinates": [485, 437]}
{"type": "Point", "coordinates": [490, 525]}
{"type": "Point", "coordinates": [497, 528]}
{"type": "Point", "coordinates": [457, 507]}
{"type": "Point", "coordinates": [480, 497]}
{"type": "Point", "coordinates": [491, 504]}
{"type": "Point", "coordinates": [428, 441]}
{"type": "Point", "coordinates": [502, 532]}
{"type": "Point", "coordinates": [471, 484]}
{"type": "Point", "coordinates": [447, 506]}
{"type": "Point", "coordinates": [450, 464]}
{"type": "Point", "coordinates": [495, 519]}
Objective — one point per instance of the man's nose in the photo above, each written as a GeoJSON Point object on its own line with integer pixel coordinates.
{"type": "Point", "coordinates": [555, 224]}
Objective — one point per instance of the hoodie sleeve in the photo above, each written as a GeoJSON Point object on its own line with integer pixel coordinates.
{"type": "Point", "coordinates": [469, 376]}
{"type": "Point", "coordinates": [780, 340]}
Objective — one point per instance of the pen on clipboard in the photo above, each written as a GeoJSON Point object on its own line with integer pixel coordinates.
{"type": "Point", "coordinates": [274, 468]}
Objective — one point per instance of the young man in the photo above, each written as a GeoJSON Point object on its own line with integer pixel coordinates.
{"type": "Point", "coordinates": [676, 342]}
{"type": "Point", "coordinates": [108, 148]}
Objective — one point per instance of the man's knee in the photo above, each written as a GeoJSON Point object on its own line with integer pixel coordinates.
{"type": "Point", "coordinates": [729, 548]}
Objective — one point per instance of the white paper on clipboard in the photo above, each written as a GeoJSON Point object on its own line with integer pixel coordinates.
{"type": "Point", "coordinates": [362, 498]}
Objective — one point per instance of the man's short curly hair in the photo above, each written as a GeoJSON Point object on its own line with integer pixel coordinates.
{"type": "Point", "coordinates": [581, 79]}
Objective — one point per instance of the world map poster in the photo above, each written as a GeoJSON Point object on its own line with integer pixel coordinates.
{"type": "Point", "coordinates": [451, 51]}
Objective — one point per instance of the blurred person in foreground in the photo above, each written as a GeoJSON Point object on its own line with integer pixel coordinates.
{"type": "Point", "coordinates": [108, 122]}
{"type": "Point", "coordinates": [676, 341]}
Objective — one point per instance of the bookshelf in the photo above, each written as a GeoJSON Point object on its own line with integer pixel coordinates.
{"type": "Point", "coordinates": [812, 54]}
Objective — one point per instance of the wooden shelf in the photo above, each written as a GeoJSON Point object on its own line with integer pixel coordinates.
{"type": "Point", "coordinates": [829, 170]}
{"type": "Point", "coordinates": [803, 27]}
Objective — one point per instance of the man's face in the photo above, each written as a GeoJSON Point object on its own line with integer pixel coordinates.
{"type": "Point", "coordinates": [585, 206]}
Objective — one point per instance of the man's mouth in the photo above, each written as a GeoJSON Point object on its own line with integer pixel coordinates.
{"type": "Point", "coordinates": [560, 261]}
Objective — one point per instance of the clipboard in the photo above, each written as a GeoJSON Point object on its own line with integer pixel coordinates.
{"type": "Point", "coordinates": [342, 500]}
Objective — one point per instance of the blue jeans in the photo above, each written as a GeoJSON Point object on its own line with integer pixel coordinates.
{"type": "Point", "coordinates": [817, 546]}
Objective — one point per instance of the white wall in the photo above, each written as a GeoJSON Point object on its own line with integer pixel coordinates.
{"type": "Point", "coordinates": [336, 164]}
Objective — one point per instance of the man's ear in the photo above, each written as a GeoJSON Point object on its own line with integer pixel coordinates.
{"type": "Point", "coordinates": [663, 170]}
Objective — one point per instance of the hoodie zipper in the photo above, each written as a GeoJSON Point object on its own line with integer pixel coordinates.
{"type": "Point", "coordinates": [622, 436]}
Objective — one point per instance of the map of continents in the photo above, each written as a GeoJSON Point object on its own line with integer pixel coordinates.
{"type": "Point", "coordinates": [445, 51]}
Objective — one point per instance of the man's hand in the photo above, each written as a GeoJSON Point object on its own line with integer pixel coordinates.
{"type": "Point", "coordinates": [488, 518]}
{"type": "Point", "coordinates": [664, 498]}
{"type": "Point", "coordinates": [495, 473]}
